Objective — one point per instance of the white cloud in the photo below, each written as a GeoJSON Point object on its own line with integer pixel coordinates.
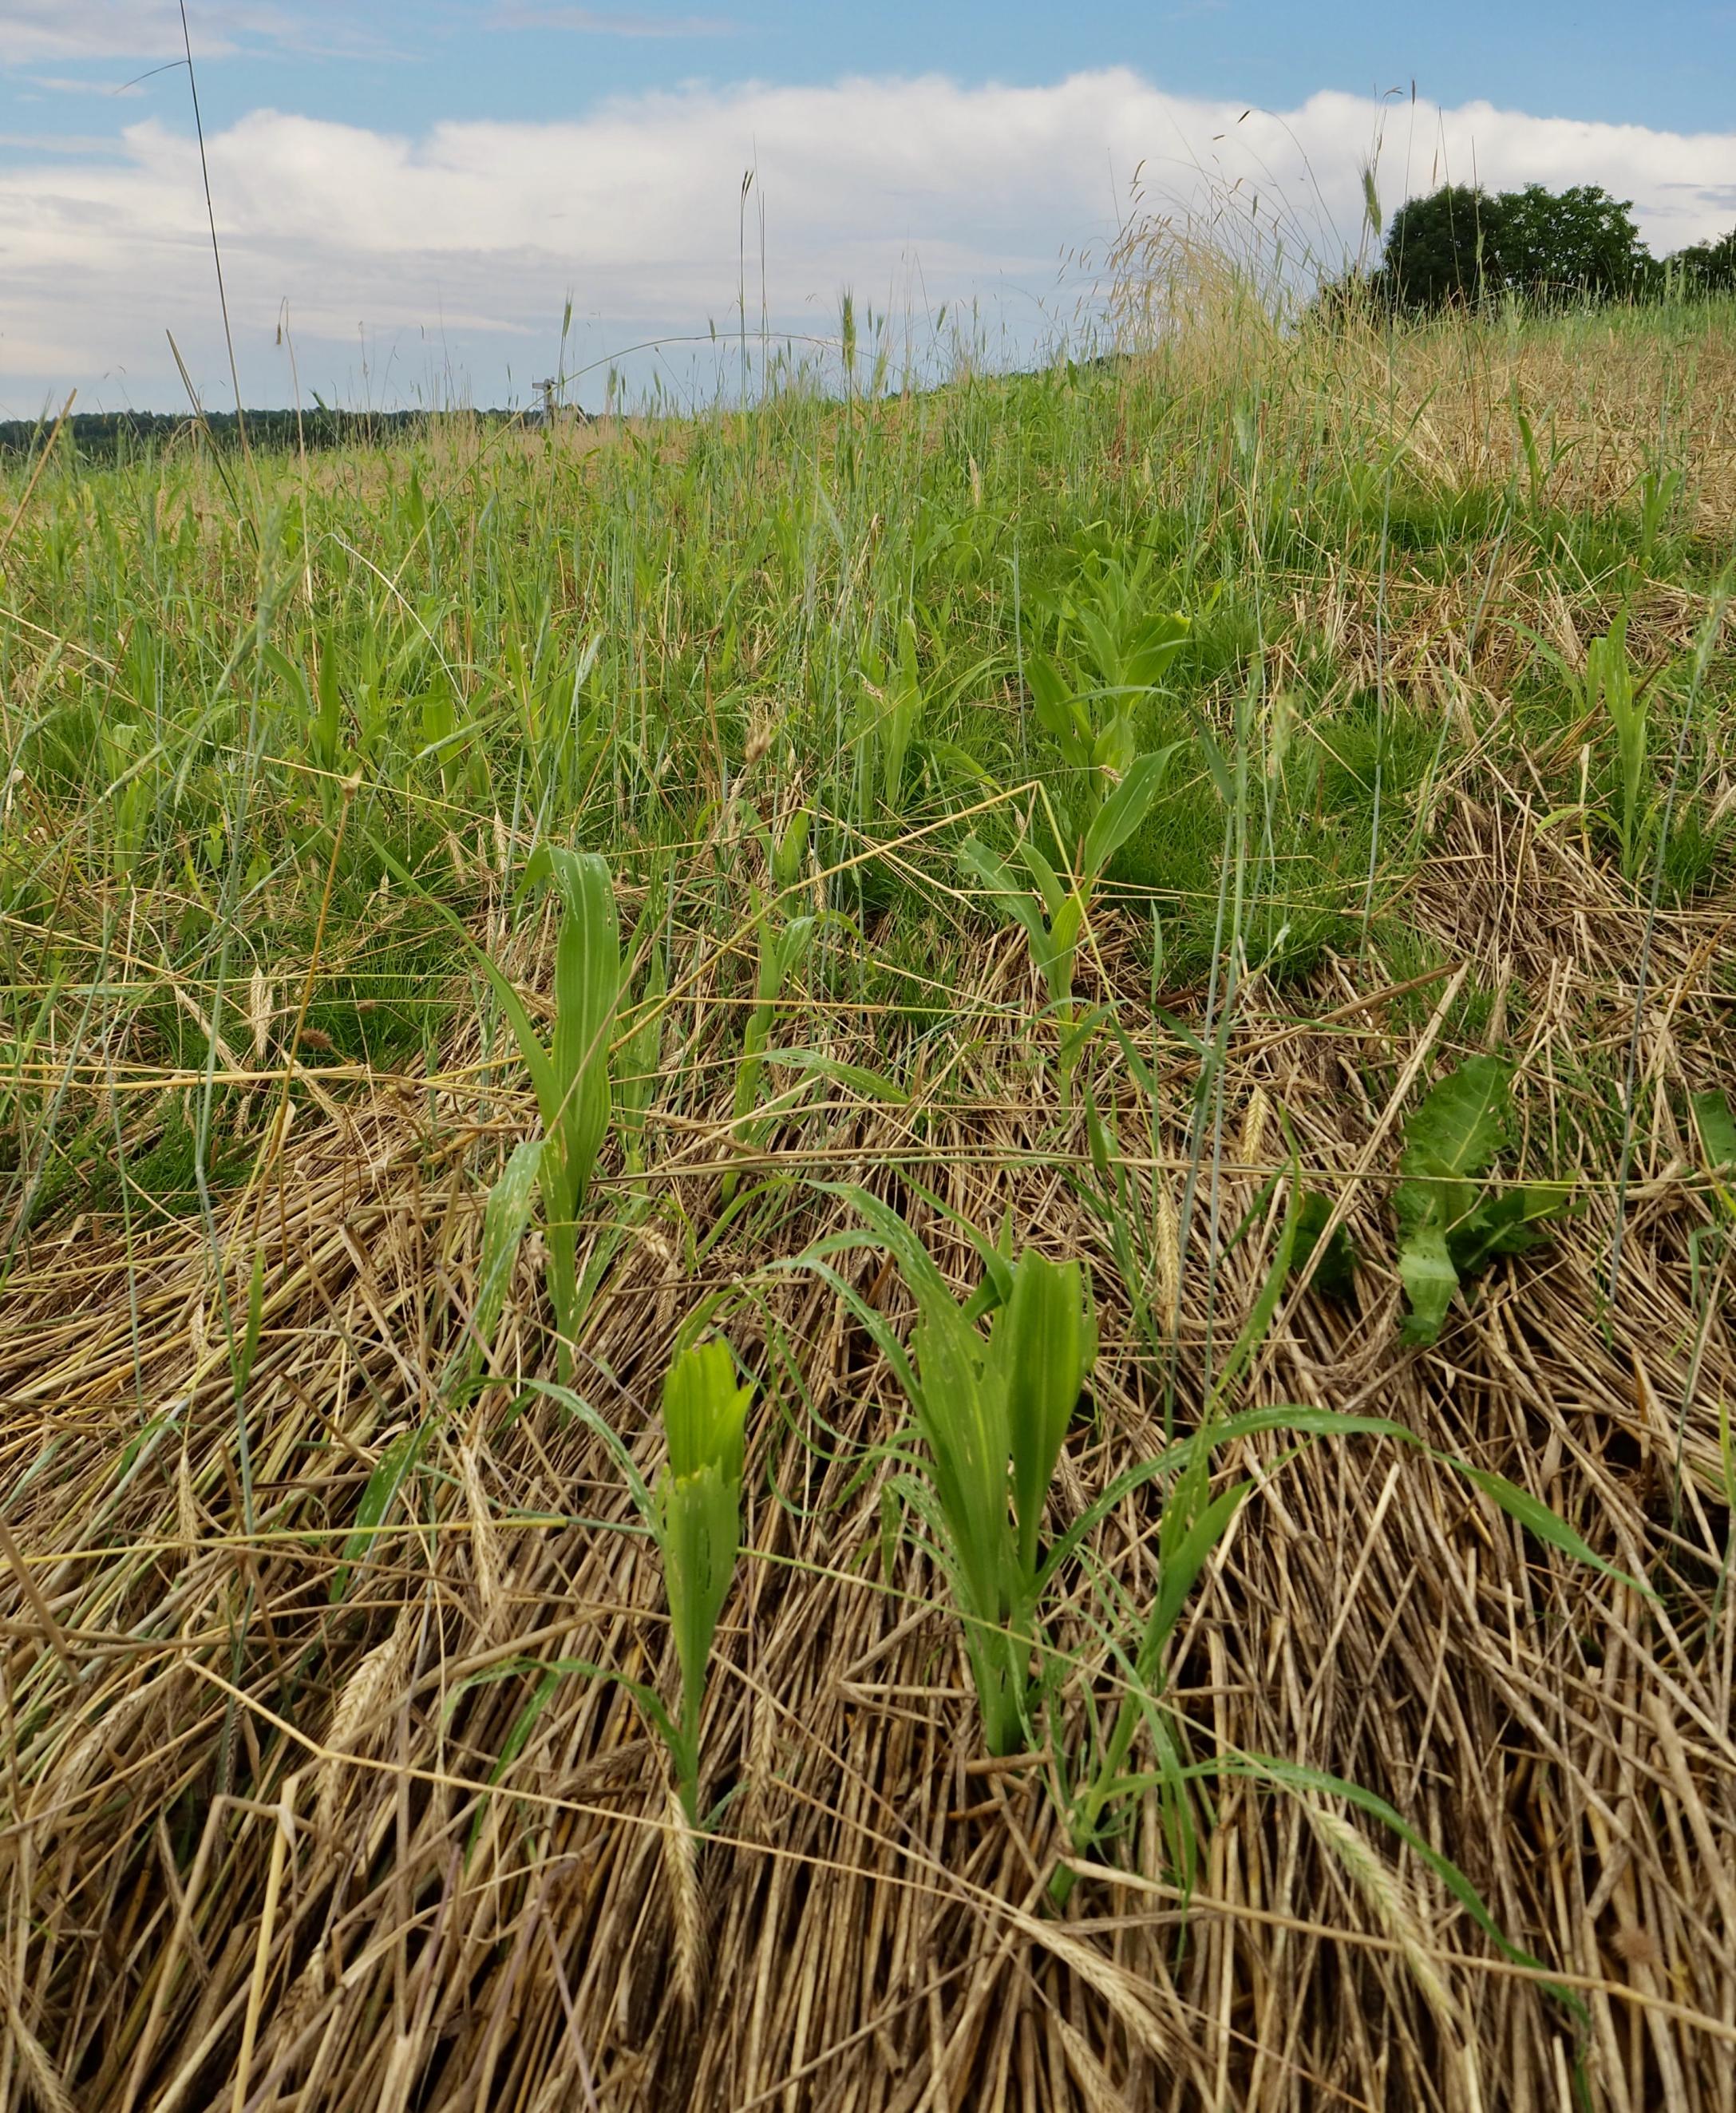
{"type": "Point", "coordinates": [64, 84]}
{"type": "Point", "coordinates": [464, 241]}
{"type": "Point", "coordinates": [599, 22]}
{"type": "Point", "coordinates": [33, 31]}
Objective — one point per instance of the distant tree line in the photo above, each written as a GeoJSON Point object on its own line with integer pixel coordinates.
{"type": "Point", "coordinates": [109, 435]}
{"type": "Point", "coordinates": [1463, 246]}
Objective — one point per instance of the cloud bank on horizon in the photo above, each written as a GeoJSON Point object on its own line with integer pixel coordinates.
{"type": "Point", "coordinates": [441, 262]}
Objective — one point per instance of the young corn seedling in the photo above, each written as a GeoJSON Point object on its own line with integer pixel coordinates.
{"type": "Point", "coordinates": [889, 718]}
{"type": "Point", "coordinates": [1608, 690]}
{"type": "Point", "coordinates": [1116, 648]}
{"type": "Point", "coordinates": [570, 1075]}
{"type": "Point", "coordinates": [1055, 923]}
{"type": "Point", "coordinates": [694, 1517]}
{"type": "Point", "coordinates": [898, 706]}
{"type": "Point", "coordinates": [991, 1413]}
{"type": "Point", "coordinates": [698, 1512]}
{"type": "Point", "coordinates": [1609, 681]}
{"type": "Point", "coordinates": [783, 947]}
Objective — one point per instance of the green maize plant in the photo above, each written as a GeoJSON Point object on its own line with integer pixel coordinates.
{"type": "Point", "coordinates": [890, 718]}
{"type": "Point", "coordinates": [1609, 681]}
{"type": "Point", "coordinates": [571, 1076]}
{"type": "Point", "coordinates": [900, 707]}
{"type": "Point", "coordinates": [1055, 923]}
{"type": "Point", "coordinates": [504, 1217]}
{"type": "Point", "coordinates": [992, 1413]}
{"type": "Point", "coordinates": [1112, 650]}
{"type": "Point", "coordinates": [698, 1529]}
{"type": "Point", "coordinates": [694, 1517]}
{"type": "Point", "coordinates": [1609, 690]}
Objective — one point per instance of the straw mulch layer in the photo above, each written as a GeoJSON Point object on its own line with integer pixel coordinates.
{"type": "Point", "coordinates": [266, 1844]}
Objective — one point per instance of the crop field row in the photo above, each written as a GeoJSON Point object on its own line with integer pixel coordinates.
{"type": "Point", "coordinates": [877, 1255]}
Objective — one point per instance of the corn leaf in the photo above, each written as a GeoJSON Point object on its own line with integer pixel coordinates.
{"type": "Point", "coordinates": [701, 1519]}
{"type": "Point", "coordinates": [1043, 1344]}
{"type": "Point", "coordinates": [504, 1217]}
{"type": "Point", "coordinates": [1125, 809]}
{"type": "Point", "coordinates": [587, 986]}
{"type": "Point", "coordinates": [704, 1411]}
{"type": "Point", "coordinates": [1717, 1129]}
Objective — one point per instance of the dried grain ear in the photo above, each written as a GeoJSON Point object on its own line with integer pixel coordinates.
{"type": "Point", "coordinates": [1398, 1913]}
{"type": "Point", "coordinates": [1095, 2084]}
{"type": "Point", "coordinates": [188, 1520]}
{"type": "Point", "coordinates": [42, 2078]}
{"type": "Point", "coordinates": [1167, 1256]}
{"type": "Point", "coordinates": [367, 1694]}
{"type": "Point", "coordinates": [259, 1011]}
{"type": "Point", "coordinates": [1251, 1144]}
{"type": "Point", "coordinates": [1124, 1994]}
{"type": "Point", "coordinates": [484, 1553]}
{"type": "Point", "coordinates": [680, 1866]}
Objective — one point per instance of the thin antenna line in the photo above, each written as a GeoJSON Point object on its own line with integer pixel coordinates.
{"type": "Point", "coordinates": [217, 254]}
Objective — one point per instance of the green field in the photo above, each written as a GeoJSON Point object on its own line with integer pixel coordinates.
{"type": "Point", "coordinates": [1144, 950]}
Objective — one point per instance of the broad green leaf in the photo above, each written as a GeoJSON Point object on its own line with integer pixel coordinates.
{"type": "Point", "coordinates": [1048, 883]}
{"type": "Point", "coordinates": [1124, 809]}
{"type": "Point", "coordinates": [587, 986]}
{"type": "Point", "coordinates": [705, 1412]}
{"type": "Point", "coordinates": [328, 724]}
{"type": "Point", "coordinates": [963, 1424]}
{"type": "Point", "coordinates": [1503, 1224]}
{"type": "Point", "coordinates": [701, 1536]}
{"type": "Point", "coordinates": [1056, 710]}
{"type": "Point", "coordinates": [1461, 1123]}
{"type": "Point", "coordinates": [1054, 958]}
{"type": "Point", "coordinates": [1042, 1346]}
{"type": "Point", "coordinates": [1450, 1138]}
{"type": "Point", "coordinates": [1335, 1274]}
{"type": "Point", "coordinates": [1013, 900]}
{"type": "Point", "coordinates": [1430, 1280]}
{"type": "Point", "coordinates": [1717, 1129]}
{"type": "Point", "coordinates": [1116, 746]}
{"type": "Point", "coordinates": [786, 859]}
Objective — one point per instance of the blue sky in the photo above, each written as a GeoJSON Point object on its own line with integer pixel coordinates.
{"type": "Point", "coordinates": [1670, 65]}
{"type": "Point", "coordinates": [425, 184]}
